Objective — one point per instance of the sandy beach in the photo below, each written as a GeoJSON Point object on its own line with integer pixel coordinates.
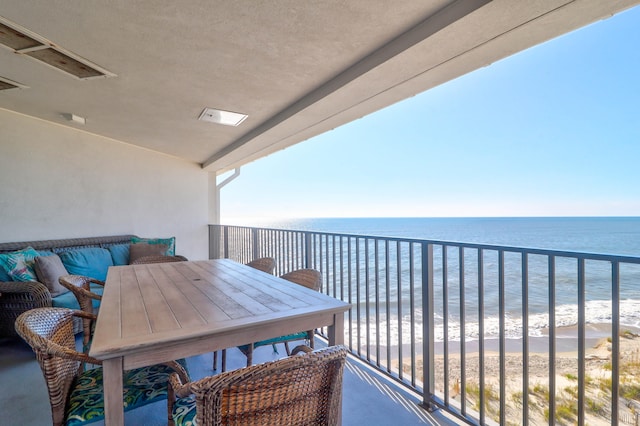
{"type": "Point", "coordinates": [597, 394]}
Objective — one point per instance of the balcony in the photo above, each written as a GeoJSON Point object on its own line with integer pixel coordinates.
{"type": "Point", "coordinates": [573, 367]}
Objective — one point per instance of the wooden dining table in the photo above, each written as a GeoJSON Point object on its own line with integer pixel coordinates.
{"type": "Point", "coordinates": [154, 313]}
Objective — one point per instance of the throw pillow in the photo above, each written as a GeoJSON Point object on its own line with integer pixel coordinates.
{"type": "Point", "coordinates": [91, 262]}
{"type": "Point", "coordinates": [48, 270]}
{"type": "Point", "coordinates": [19, 264]}
{"type": "Point", "coordinates": [136, 251]}
{"type": "Point", "coordinates": [169, 242]}
{"type": "Point", "coordinates": [119, 254]}
{"type": "Point", "coordinates": [4, 276]}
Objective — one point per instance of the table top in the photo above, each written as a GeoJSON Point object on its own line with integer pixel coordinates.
{"type": "Point", "coordinates": [184, 308]}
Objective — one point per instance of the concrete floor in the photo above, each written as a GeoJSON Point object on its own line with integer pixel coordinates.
{"type": "Point", "coordinates": [368, 399]}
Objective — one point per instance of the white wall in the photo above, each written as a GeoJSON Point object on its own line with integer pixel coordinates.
{"type": "Point", "coordinates": [58, 182]}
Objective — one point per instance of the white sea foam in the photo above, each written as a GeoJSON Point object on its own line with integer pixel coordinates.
{"type": "Point", "coordinates": [596, 312]}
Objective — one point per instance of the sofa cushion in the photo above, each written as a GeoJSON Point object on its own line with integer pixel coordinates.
{"type": "Point", "coordinates": [19, 264]}
{"type": "Point", "coordinates": [169, 242]}
{"type": "Point", "coordinates": [142, 249]}
{"type": "Point", "coordinates": [48, 269]}
{"type": "Point", "coordinates": [119, 254]}
{"type": "Point", "coordinates": [69, 300]}
{"type": "Point", "coordinates": [91, 262]}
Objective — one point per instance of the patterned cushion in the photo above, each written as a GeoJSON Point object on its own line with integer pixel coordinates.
{"type": "Point", "coordinates": [19, 264]}
{"type": "Point", "coordinates": [184, 411]}
{"type": "Point", "coordinates": [169, 242]}
{"type": "Point", "coordinates": [142, 386]}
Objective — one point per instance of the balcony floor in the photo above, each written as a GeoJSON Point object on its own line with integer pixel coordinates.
{"type": "Point", "coordinates": [368, 398]}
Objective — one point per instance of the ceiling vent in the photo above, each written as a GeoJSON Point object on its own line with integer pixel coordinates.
{"type": "Point", "coordinates": [25, 42]}
{"type": "Point", "coordinates": [6, 84]}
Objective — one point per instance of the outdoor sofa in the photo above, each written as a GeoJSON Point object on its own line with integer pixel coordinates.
{"type": "Point", "coordinates": [79, 256]}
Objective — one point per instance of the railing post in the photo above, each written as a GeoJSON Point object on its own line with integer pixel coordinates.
{"type": "Point", "coordinates": [226, 242]}
{"type": "Point", "coordinates": [307, 250]}
{"type": "Point", "coordinates": [581, 341]}
{"type": "Point", "coordinates": [525, 338]}
{"type": "Point", "coordinates": [615, 342]}
{"type": "Point", "coordinates": [215, 232]}
{"type": "Point", "coordinates": [428, 321]}
{"type": "Point", "coordinates": [255, 249]}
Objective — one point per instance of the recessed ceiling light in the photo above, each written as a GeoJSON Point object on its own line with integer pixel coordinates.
{"type": "Point", "coordinates": [218, 116]}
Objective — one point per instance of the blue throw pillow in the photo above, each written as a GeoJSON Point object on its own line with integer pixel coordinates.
{"type": "Point", "coordinates": [90, 262]}
{"type": "Point", "coordinates": [119, 254]}
{"type": "Point", "coordinates": [169, 242]}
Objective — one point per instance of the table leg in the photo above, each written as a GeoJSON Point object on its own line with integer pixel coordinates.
{"type": "Point", "coordinates": [112, 378]}
{"type": "Point", "coordinates": [336, 330]}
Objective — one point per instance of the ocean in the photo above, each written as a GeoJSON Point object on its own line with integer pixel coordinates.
{"type": "Point", "coordinates": [604, 235]}
{"type": "Point", "coordinates": [601, 235]}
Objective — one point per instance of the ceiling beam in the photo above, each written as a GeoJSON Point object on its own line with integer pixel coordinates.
{"type": "Point", "coordinates": [420, 32]}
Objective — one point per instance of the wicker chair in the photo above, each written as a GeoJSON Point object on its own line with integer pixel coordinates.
{"type": "Point", "coordinates": [264, 264]}
{"type": "Point", "coordinates": [298, 390]}
{"type": "Point", "coordinates": [18, 297]}
{"type": "Point", "coordinates": [158, 259]}
{"type": "Point", "coordinates": [80, 286]}
{"type": "Point", "coordinates": [77, 397]}
{"type": "Point", "coordinates": [309, 278]}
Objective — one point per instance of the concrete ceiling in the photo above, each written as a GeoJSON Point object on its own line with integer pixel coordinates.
{"type": "Point", "coordinates": [297, 68]}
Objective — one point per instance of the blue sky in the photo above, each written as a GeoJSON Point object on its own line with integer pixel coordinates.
{"type": "Point", "coordinates": [551, 131]}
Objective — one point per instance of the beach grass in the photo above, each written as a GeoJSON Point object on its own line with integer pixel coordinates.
{"type": "Point", "coordinates": [597, 378]}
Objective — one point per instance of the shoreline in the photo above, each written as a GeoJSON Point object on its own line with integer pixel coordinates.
{"type": "Point", "coordinates": [566, 341]}
{"type": "Point", "coordinates": [537, 345]}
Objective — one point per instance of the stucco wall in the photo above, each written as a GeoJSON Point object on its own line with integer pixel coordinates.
{"type": "Point", "coordinates": [57, 182]}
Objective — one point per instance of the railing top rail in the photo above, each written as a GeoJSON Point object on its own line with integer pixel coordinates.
{"type": "Point", "coordinates": [478, 246]}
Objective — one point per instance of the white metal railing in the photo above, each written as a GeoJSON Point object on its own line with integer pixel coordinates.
{"type": "Point", "coordinates": [422, 311]}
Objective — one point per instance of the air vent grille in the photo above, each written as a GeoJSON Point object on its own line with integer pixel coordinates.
{"type": "Point", "coordinates": [15, 39]}
{"type": "Point", "coordinates": [65, 63]}
{"type": "Point", "coordinates": [6, 84]}
{"type": "Point", "coordinates": [28, 43]}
